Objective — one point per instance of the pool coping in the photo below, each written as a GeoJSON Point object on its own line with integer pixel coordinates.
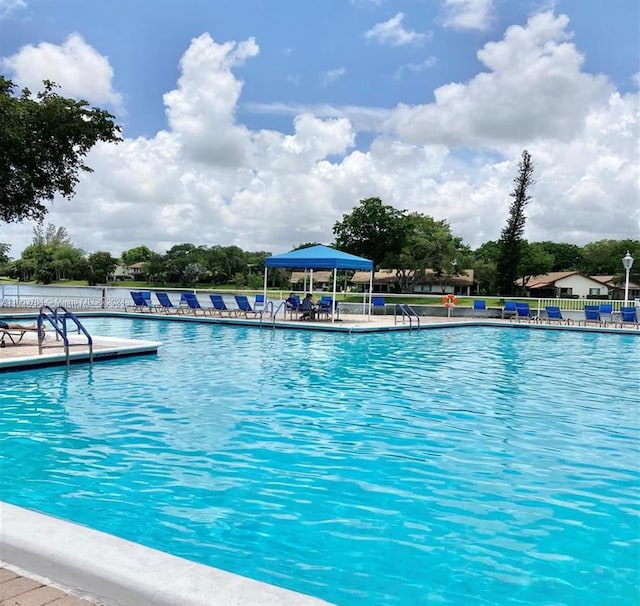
{"type": "Point", "coordinates": [117, 572]}
{"type": "Point", "coordinates": [104, 348]}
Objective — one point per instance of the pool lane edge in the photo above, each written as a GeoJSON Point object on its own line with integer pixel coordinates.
{"type": "Point", "coordinates": [117, 572]}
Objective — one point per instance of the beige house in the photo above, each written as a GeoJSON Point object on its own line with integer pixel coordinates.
{"type": "Point", "coordinates": [571, 284]}
{"type": "Point", "coordinates": [121, 272]}
{"type": "Point", "coordinates": [386, 280]}
{"type": "Point", "coordinates": [616, 288]}
{"type": "Point", "coordinates": [321, 280]}
{"type": "Point", "coordinates": [128, 272]}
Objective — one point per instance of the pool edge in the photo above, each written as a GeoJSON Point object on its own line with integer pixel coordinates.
{"type": "Point", "coordinates": [117, 572]}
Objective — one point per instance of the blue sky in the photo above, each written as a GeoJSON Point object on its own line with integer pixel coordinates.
{"type": "Point", "coordinates": [269, 120]}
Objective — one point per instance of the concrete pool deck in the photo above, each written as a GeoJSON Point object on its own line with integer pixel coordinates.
{"type": "Point", "coordinates": [115, 572]}
{"type": "Point", "coordinates": [26, 354]}
{"type": "Point", "coordinates": [18, 588]}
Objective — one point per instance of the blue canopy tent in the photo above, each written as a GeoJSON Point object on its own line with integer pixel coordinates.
{"type": "Point", "coordinates": [320, 257]}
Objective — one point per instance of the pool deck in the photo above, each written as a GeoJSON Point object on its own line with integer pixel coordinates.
{"type": "Point", "coordinates": [107, 570]}
{"type": "Point", "coordinates": [69, 565]}
{"type": "Point", "coordinates": [18, 588]}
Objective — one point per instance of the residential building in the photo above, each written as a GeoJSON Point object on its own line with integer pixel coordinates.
{"type": "Point", "coordinates": [615, 284]}
{"type": "Point", "coordinates": [128, 272]}
{"type": "Point", "coordinates": [568, 284]}
{"type": "Point", "coordinates": [120, 273]}
{"type": "Point", "coordinates": [322, 280]}
{"type": "Point", "coordinates": [386, 280]}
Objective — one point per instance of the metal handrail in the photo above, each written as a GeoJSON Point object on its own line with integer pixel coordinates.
{"type": "Point", "coordinates": [413, 312]}
{"type": "Point", "coordinates": [273, 317]}
{"type": "Point", "coordinates": [407, 312]}
{"type": "Point", "coordinates": [268, 305]}
{"type": "Point", "coordinates": [59, 324]}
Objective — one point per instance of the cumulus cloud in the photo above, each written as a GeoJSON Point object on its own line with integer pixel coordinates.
{"type": "Point", "coordinates": [468, 14]}
{"type": "Point", "coordinates": [366, 119]}
{"type": "Point", "coordinates": [79, 70]}
{"type": "Point", "coordinates": [392, 32]}
{"type": "Point", "coordinates": [209, 180]}
{"type": "Point", "coordinates": [201, 110]}
{"type": "Point", "coordinates": [534, 89]}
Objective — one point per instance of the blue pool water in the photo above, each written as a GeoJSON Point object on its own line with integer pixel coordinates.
{"type": "Point", "coordinates": [461, 466]}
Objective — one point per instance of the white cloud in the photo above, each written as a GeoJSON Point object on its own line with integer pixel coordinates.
{"type": "Point", "coordinates": [392, 32]}
{"type": "Point", "coordinates": [201, 110]}
{"type": "Point", "coordinates": [79, 70]}
{"type": "Point", "coordinates": [468, 14]}
{"type": "Point", "coordinates": [9, 7]}
{"type": "Point", "coordinates": [209, 180]}
{"type": "Point", "coordinates": [414, 68]}
{"type": "Point", "coordinates": [367, 119]}
{"type": "Point", "coordinates": [535, 88]}
{"type": "Point", "coordinates": [332, 75]}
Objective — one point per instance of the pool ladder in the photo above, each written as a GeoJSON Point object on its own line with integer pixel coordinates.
{"type": "Point", "coordinates": [406, 311]}
{"type": "Point", "coordinates": [57, 318]}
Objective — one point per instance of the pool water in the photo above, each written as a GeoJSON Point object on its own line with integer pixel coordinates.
{"type": "Point", "coordinates": [449, 466]}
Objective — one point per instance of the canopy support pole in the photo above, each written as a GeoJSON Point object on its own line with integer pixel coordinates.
{"type": "Point", "coordinates": [264, 290]}
{"type": "Point", "coordinates": [370, 294]}
{"type": "Point", "coordinates": [333, 303]}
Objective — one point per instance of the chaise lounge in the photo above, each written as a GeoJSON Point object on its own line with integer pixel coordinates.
{"type": "Point", "coordinates": [629, 317]}
{"type": "Point", "coordinates": [15, 335]}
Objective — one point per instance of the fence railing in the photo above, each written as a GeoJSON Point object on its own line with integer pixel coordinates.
{"type": "Point", "coordinates": [87, 303]}
{"type": "Point", "coordinates": [119, 298]}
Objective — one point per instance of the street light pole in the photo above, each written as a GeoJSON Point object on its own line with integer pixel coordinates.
{"type": "Point", "coordinates": [627, 262]}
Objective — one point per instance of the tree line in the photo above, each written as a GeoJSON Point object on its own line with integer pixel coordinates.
{"type": "Point", "coordinates": [418, 243]}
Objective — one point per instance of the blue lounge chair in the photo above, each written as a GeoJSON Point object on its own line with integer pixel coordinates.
{"type": "Point", "coordinates": [379, 303]}
{"type": "Point", "coordinates": [245, 307]}
{"type": "Point", "coordinates": [259, 303]}
{"type": "Point", "coordinates": [326, 307]}
{"type": "Point", "coordinates": [591, 315]}
{"type": "Point", "coordinates": [629, 317]}
{"type": "Point", "coordinates": [165, 303]}
{"type": "Point", "coordinates": [140, 302]}
{"type": "Point", "coordinates": [480, 308]}
{"type": "Point", "coordinates": [554, 316]}
{"type": "Point", "coordinates": [606, 313]}
{"type": "Point", "coordinates": [193, 305]}
{"type": "Point", "coordinates": [220, 307]}
{"type": "Point", "coordinates": [509, 309]}
{"type": "Point", "coordinates": [523, 313]}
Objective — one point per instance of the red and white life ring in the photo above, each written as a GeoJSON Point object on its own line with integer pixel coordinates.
{"type": "Point", "coordinates": [449, 301]}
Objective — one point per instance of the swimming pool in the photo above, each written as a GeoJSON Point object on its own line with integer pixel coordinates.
{"type": "Point", "coordinates": [471, 465]}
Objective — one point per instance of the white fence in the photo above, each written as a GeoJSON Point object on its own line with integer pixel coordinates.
{"type": "Point", "coordinates": [18, 296]}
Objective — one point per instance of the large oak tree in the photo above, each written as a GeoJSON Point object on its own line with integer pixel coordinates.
{"type": "Point", "coordinates": [45, 140]}
{"type": "Point", "coordinates": [372, 230]}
